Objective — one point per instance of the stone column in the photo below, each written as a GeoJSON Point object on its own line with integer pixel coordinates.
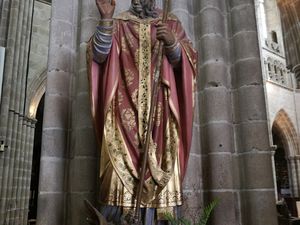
{"type": "Point", "coordinates": [215, 109]}
{"type": "Point", "coordinates": [255, 185]}
{"type": "Point", "coordinates": [4, 12]}
{"type": "Point", "coordinates": [83, 166]}
{"type": "Point", "coordinates": [16, 24]}
{"type": "Point", "coordinates": [297, 162]}
{"type": "Point", "coordinates": [57, 114]}
{"type": "Point", "coordinates": [293, 163]}
{"type": "Point", "coordinates": [296, 70]}
{"type": "Point", "coordinates": [273, 151]}
{"type": "Point", "coordinates": [29, 143]}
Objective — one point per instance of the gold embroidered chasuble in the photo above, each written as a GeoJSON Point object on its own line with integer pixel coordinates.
{"type": "Point", "coordinates": [120, 96]}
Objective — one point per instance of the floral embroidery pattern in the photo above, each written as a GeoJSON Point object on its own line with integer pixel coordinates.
{"type": "Point", "coordinates": [129, 77]}
{"type": "Point", "coordinates": [128, 118]}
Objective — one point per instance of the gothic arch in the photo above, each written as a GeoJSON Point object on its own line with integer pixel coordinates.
{"type": "Point", "coordinates": [35, 92]}
{"type": "Point", "coordinates": [286, 129]}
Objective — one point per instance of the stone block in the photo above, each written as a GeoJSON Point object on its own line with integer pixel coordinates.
{"type": "Point", "coordinates": [60, 58]}
{"type": "Point", "coordinates": [82, 84]}
{"type": "Point", "coordinates": [252, 136]}
{"type": "Point", "coordinates": [83, 174]}
{"type": "Point", "coordinates": [56, 112]}
{"type": "Point", "coordinates": [84, 143]}
{"type": "Point", "coordinates": [52, 174]}
{"type": "Point", "coordinates": [227, 210]}
{"type": "Point", "coordinates": [243, 19]}
{"type": "Point", "coordinates": [213, 49]}
{"type": "Point", "coordinates": [62, 10]}
{"type": "Point", "coordinates": [258, 207]}
{"type": "Point", "coordinates": [77, 212]}
{"type": "Point", "coordinates": [83, 118]}
{"type": "Point", "coordinates": [192, 180]}
{"type": "Point", "coordinates": [211, 21]}
{"type": "Point", "coordinates": [62, 33]}
{"type": "Point", "coordinates": [235, 101]}
{"type": "Point", "coordinates": [237, 172]}
{"type": "Point", "coordinates": [88, 28]}
{"type": "Point", "coordinates": [239, 3]}
{"type": "Point", "coordinates": [217, 137]}
{"type": "Point", "coordinates": [54, 143]}
{"type": "Point", "coordinates": [180, 5]}
{"type": "Point", "coordinates": [196, 145]}
{"type": "Point", "coordinates": [217, 105]}
{"type": "Point", "coordinates": [217, 171]}
{"type": "Point", "coordinates": [245, 45]}
{"type": "Point", "coordinates": [196, 113]}
{"type": "Point", "coordinates": [187, 22]}
{"type": "Point", "coordinates": [257, 171]}
{"type": "Point", "coordinates": [214, 74]}
{"type": "Point", "coordinates": [58, 83]}
{"type": "Point", "coordinates": [51, 209]}
{"type": "Point", "coordinates": [82, 59]}
{"type": "Point", "coordinates": [192, 205]}
{"type": "Point", "coordinates": [252, 105]}
{"type": "Point", "coordinates": [192, 7]}
{"type": "Point", "coordinates": [221, 5]}
{"type": "Point", "coordinates": [89, 9]}
{"type": "Point", "coordinates": [247, 72]}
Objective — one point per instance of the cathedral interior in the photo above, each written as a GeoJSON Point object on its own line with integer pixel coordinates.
{"type": "Point", "coordinates": [246, 130]}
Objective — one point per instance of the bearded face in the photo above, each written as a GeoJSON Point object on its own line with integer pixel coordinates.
{"type": "Point", "coordinates": [144, 8]}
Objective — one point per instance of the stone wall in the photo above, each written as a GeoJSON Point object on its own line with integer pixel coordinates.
{"type": "Point", "coordinates": [38, 58]}
{"type": "Point", "coordinates": [282, 98]}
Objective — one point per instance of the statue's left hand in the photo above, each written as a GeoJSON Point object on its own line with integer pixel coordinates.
{"type": "Point", "coordinates": [165, 34]}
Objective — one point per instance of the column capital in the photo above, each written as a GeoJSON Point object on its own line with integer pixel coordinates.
{"type": "Point", "coordinates": [296, 69]}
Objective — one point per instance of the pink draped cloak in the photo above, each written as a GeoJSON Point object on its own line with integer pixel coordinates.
{"type": "Point", "coordinates": [116, 82]}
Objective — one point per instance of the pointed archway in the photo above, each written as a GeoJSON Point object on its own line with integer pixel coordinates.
{"type": "Point", "coordinates": [34, 184]}
{"type": "Point", "coordinates": [286, 157]}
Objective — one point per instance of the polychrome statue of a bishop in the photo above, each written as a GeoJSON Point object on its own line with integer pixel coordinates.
{"type": "Point", "coordinates": [122, 55]}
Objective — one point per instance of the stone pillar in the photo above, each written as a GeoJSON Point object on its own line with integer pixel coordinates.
{"type": "Point", "coordinates": [253, 164]}
{"type": "Point", "coordinates": [15, 22]}
{"type": "Point", "coordinates": [83, 166]}
{"type": "Point", "coordinates": [297, 163]}
{"type": "Point", "coordinates": [4, 17]}
{"type": "Point", "coordinates": [57, 114]}
{"type": "Point", "coordinates": [293, 166]}
{"type": "Point", "coordinates": [29, 143]}
{"type": "Point", "coordinates": [273, 151]}
{"type": "Point", "coordinates": [215, 109]}
{"type": "Point", "coordinates": [290, 170]}
{"type": "Point", "coordinates": [296, 70]}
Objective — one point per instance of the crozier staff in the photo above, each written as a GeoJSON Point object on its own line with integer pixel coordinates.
{"type": "Point", "coordinates": [122, 54]}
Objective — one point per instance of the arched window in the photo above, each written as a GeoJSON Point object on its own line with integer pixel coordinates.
{"type": "Point", "coordinates": [274, 36]}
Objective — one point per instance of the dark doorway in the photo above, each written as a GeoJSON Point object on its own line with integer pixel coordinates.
{"type": "Point", "coordinates": [34, 185]}
{"type": "Point", "coordinates": [281, 166]}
